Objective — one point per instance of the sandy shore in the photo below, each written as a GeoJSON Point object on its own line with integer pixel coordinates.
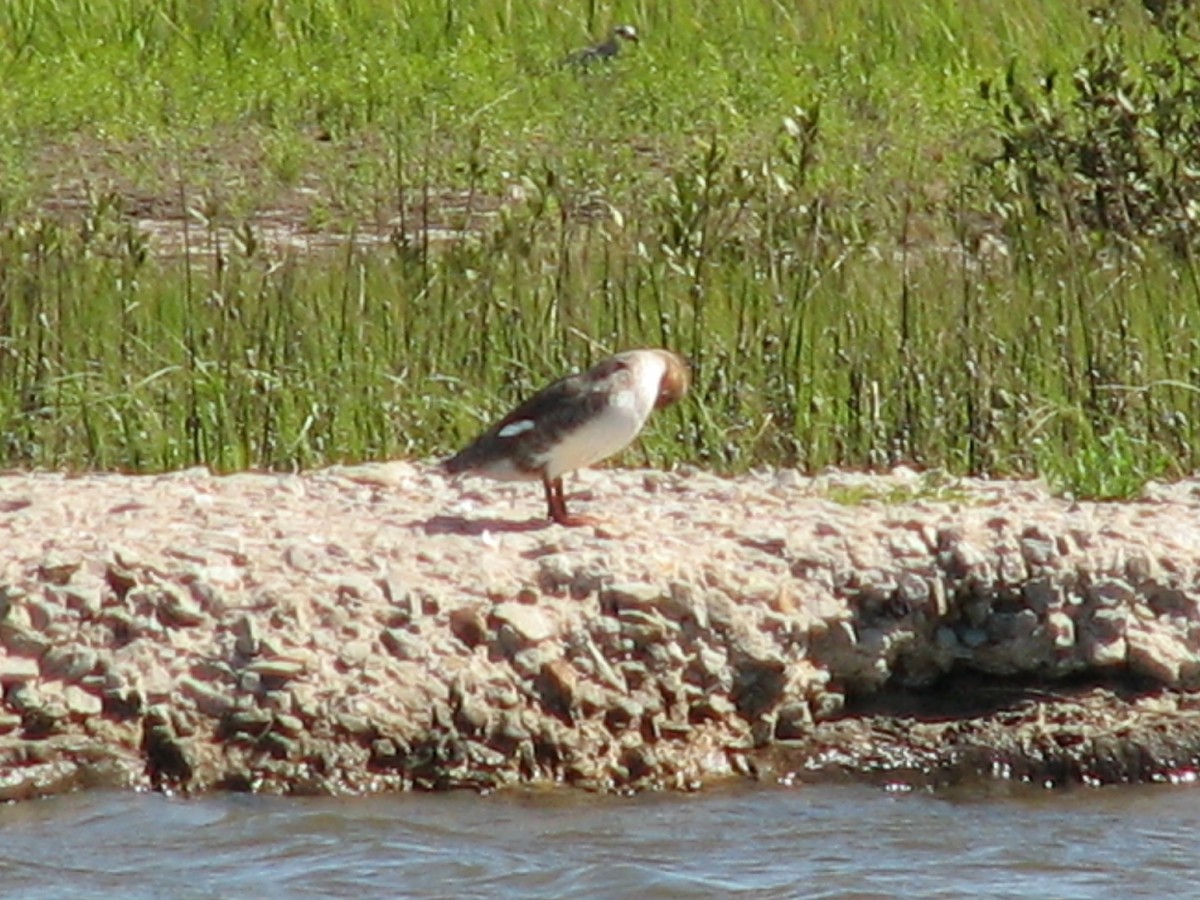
{"type": "Point", "coordinates": [381, 628]}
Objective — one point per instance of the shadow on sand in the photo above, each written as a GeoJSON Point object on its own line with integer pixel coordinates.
{"type": "Point", "coordinates": [477, 526]}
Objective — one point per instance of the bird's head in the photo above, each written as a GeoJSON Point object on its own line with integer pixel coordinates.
{"type": "Point", "coordinates": [675, 381]}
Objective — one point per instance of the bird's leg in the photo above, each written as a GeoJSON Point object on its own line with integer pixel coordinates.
{"type": "Point", "coordinates": [554, 498]}
{"type": "Point", "coordinates": [556, 504]}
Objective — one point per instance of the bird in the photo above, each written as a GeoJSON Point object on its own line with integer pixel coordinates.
{"type": "Point", "coordinates": [605, 50]}
{"type": "Point", "coordinates": [576, 422]}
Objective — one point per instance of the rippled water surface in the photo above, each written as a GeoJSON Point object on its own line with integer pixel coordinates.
{"type": "Point", "coordinates": [804, 841]}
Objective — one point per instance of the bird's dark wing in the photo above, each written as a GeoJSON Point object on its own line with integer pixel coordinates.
{"type": "Point", "coordinates": [529, 431]}
{"type": "Point", "coordinates": [603, 51]}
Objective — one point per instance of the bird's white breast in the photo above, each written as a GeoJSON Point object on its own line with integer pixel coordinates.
{"type": "Point", "coordinates": [616, 424]}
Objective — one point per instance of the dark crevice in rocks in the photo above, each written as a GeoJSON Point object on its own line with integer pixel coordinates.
{"type": "Point", "coordinates": [964, 693]}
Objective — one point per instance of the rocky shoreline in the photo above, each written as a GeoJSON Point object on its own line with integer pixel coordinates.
{"type": "Point", "coordinates": [379, 628]}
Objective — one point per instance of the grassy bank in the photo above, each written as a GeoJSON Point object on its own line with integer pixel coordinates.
{"type": "Point", "coordinates": [790, 195]}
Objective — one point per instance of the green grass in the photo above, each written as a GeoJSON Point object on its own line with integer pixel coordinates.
{"type": "Point", "coordinates": [934, 486]}
{"type": "Point", "coordinates": [784, 192]}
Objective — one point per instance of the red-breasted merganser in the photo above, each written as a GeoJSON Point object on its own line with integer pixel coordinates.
{"type": "Point", "coordinates": [575, 422]}
{"type": "Point", "coordinates": [605, 50]}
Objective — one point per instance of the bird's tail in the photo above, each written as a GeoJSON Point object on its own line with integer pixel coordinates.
{"type": "Point", "coordinates": [457, 464]}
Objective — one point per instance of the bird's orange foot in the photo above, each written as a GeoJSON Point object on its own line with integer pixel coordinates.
{"type": "Point", "coordinates": [573, 520]}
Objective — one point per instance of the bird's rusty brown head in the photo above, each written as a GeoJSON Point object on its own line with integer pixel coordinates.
{"type": "Point", "coordinates": [675, 381]}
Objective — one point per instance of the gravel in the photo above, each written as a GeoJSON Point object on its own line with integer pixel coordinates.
{"type": "Point", "coordinates": [381, 628]}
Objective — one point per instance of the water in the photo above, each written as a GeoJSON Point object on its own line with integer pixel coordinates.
{"type": "Point", "coordinates": [839, 841]}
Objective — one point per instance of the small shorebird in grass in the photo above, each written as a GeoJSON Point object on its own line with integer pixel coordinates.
{"type": "Point", "coordinates": [575, 422]}
{"type": "Point", "coordinates": [604, 51]}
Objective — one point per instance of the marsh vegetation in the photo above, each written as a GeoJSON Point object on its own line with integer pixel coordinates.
{"type": "Point", "coordinates": [954, 234]}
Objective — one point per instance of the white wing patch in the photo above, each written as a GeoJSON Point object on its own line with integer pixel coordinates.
{"type": "Point", "coordinates": [512, 429]}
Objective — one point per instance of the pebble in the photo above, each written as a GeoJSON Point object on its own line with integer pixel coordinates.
{"type": "Point", "coordinates": [1111, 592]}
{"type": "Point", "coordinates": [178, 610]}
{"type": "Point", "coordinates": [247, 636]}
{"type": "Point", "coordinates": [1103, 645]}
{"type": "Point", "coordinates": [80, 702]}
{"type": "Point", "coordinates": [354, 653]}
{"type": "Point", "coordinates": [395, 590]}
{"type": "Point", "coordinates": [301, 557]}
{"type": "Point", "coordinates": [253, 722]}
{"type": "Point", "coordinates": [355, 586]}
{"type": "Point", "coordinates": [69, 663]}
{"type": "Point", "coordinates": [15, 669]}
{"type": "Point", "coordinates": [473, 715]}
{"type": "Point", "coordinates": [120, 578]}
{"type": "Point", "coordinates": [209, 700]}
{"type": "Point", "coordinates": [1061, 628]}
{"type": "Point", "coordinates": [289, 724]}
{"type": "Point", "coordinates": [713, 664]}
{"type": "Point", "coordinates": [469, 625]}
{"type": "Point", "coordinates": [403, 645]}
{"type": "Point", "coordinates": [84, 599]}
{"type": "Point", "coordinates": [530, 624]}
{"type": "Point", "coordinates": [511, 727]}
{"type": "Point", "coordinates": [502, 695]}
{"type": "Point", "coordinates": [8, 595]}
{"type": "Point", "coordinates": [646, 627]}
{"type": "Point", "coordinates": [633, 595]}
{"type": "Point", "coordinates": [24, 697]}
{"type": "Point", "coordinates": [250, 682]}
{"type": "Point", "coordinates": [1038, 551]}
{"type": "Point", "coordinates": [58, 568]}
{"type": "Point", "coordinates": [21, 640]}
{"type": "Point", "coordinates": [529, 662]}
{"type": "Point", "coordinates": [973, 638]}
{"type": "Point", "coordinates": [968, 559]}
{"type": "Point", "coordinates": [721, 610]}
{"type": "Point", "coordinates": [277, 668]}
{"type": "Point", "coordinates": [907, 543]}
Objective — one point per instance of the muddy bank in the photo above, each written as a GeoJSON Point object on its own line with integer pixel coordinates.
{"type": "Point", "coordinates": [380, 628]}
